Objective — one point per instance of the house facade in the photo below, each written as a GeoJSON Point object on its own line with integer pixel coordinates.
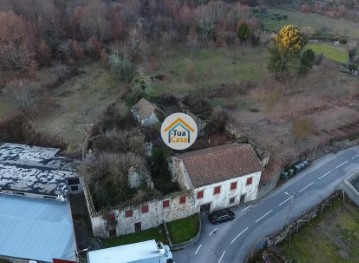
{"type": "Point", "coordinates": [210, 179]}
{"type": "Point", "coordinates": [145, 113]}
{"type": "Point", "coordinates": [220, 176]}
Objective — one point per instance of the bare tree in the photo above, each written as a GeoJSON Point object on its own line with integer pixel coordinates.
{"type": "Point", "coordinates": [60, 69]}
{"type": "Point", "coordinates": [23, 94]}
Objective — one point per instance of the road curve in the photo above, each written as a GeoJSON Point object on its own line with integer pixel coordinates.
{"type": "Point", "coordinates": [231, 241]}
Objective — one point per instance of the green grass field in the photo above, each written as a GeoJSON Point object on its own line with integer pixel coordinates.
{"type": "Point", "coordinates": [319, 23]}
{"type": "Point", "coordinates": [338, 54]}
{"type": "Point", "coordinates": [333, 237]}
{"type": "Point", "coordinates": [180, 230]}
{"type": "Point", "coordinates": [208, 68]}
{"type": "Point", "coordinates": [183, 229]}
{"type": "Point", "coordinates": [157, 233]}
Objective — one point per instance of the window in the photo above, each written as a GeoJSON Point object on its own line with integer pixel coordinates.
{"type": "Point", "coordinates": [217, 190]}
{"type": "Point", "coordinates": [74, 188]}
{"type": "Point", "coordinates": [144, 209]}
{"type": "Point", "coordinates": [199, 194]}
{"type": "Point", "coordinates": [182, 200]}
{"type": "Point", "coordinates": [233, 185]}
{"type": "Point", "coordinates": [166, 203]}
{"type": "Point", "coordinates": [128, 213]}
{"type": "Point", "coordinates": [72, 181]}
{"type": "Point", "coordinates": [231, 200]}
{"type": "Point", "coordinates": [249, 181]}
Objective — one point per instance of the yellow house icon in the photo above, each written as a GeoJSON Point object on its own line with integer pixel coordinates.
{"type": "Point", "coordinates": [173, 133]}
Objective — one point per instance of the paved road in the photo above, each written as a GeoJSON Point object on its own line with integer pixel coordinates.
{"type": "Point", "coordinates": [233, 240]}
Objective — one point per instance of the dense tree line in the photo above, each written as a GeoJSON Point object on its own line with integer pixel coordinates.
{"type": "Point", "coordinates": [34, 33]}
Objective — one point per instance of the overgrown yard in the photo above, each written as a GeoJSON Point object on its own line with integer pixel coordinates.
{"type": "Point", "coordinates": [78, 102]}
{"type": "Point", "coordinates": [183, 229]}
{"type": "Point", "coordinates": [287, 118]}
{"type": "Point", "coordinates": [204, 69]}
{"type": "Point", "coordinates": [338, 54]}
{"type": "Point", "coordinates": [333, 237]}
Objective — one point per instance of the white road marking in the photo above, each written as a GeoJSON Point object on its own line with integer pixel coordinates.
{"type": "Point", "coordinates": [246, 208]}
{"type": "Point", "coordinates": [221, 256]}
{"type": "Point", "coordinates": [324, 175]}
{"type": "Point", "coordinates": [197, 249]}
{"type": "Point", "coordinates": [285, 200]}
{"type": "Point", "coordinates": [288, 194]}
{"type": "Point", "coordinates": [239, 235]}
{"type": "Point", "coordinates": [356, 156]}
{"type": "Point", "coordinates": [306, 187]}
{"type": "Point", "coordinates": [341, 165]}
{"type": "Point", "coordinates": [264, 215]}
{"type": "Point", "coordinates": [212, 232]}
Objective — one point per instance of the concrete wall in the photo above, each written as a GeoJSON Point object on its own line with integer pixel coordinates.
{"type": "Point", "coordinates": [179, 173]}
{"type": "Point", "coordinates": [350, 190]}
{"type": "Point", "coordinates": [151, 120]}
{"type": "Point", "coordinates": [74, 188]}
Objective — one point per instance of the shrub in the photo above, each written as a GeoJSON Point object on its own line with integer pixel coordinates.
{"type": "Point", "coordinates": [243, 32]}
{"type": "Point", "coordinates": [107, 177]}
{"type": "Point", "coordinates": [198, 105]}
{"type": "Point", "coordinates": [117, 141]}
{"type": "Point", "coordinates": [306, 62]}
{"type": "Point", "coordinates": [122, 68]}
{"type": "Point", "coordinates": [217, 122]}
{"type": "Point", "coordinates": [24, 94]}
{"type": "Point", "coordinates": [140, 87]}
{"type": "Point", "coordinates": [302, 128]}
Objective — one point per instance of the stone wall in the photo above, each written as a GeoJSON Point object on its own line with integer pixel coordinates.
{"type": "Point", "coordinates": [148, 215]}
{"type": "Point", "coordinates": [175, 206]}
{"type": "Point", "coordinates": [349, 189]}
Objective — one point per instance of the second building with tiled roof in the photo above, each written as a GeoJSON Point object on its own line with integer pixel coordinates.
{"type": "Point", "coordinates": [220, 176]}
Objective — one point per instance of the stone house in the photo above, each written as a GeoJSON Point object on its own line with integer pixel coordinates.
{"type": "Point", "coordinates": [144, 216]}
{"type": "Point", "coordinates": [220, 176]}
{"type": "Point", "coordinates": [145, 113]}
{"type": "Point", "coordinates": [210, 179]}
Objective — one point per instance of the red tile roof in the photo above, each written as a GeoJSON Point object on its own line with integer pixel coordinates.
{"type": "Point", "coordinates": [220, 163]}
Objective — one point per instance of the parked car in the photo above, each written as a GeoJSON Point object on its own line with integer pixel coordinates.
{"type": "Point", "coordinates": [221, 216]}
{"type": "Point", "coordinates": [299, 166]}
{"type": "Point", "coordinates": [284, 174]}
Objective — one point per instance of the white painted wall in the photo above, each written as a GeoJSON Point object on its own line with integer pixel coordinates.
{"type": "Point", "coordinates": [221, 200]}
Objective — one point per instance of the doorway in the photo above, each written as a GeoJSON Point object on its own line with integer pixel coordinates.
{"type": "Point", "coordinates": [243, 197]}
{"type": "Point", "coordinates": [138, 227]}
{"type": "Point", "coordinates": [205, 208]}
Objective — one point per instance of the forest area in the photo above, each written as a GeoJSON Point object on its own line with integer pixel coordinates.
{"type": "Point", "coordinates": [70, 71]}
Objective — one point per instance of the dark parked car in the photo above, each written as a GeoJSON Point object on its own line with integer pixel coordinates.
{"type": "Point", "coordinates": [221, 216]}
{"type": "Point", "coordinates": [299, 166]}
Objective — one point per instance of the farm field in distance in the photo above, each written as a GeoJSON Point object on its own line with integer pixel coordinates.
{"type": "Point", "coordinates": [318, 23]}
{"type": "Point", "coordinates": [333, 237]}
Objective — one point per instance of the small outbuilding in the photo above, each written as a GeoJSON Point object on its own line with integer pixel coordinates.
{"type": "Point", "coordinates": [146, 113]}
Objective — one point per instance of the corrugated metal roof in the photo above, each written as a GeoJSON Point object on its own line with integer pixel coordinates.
{"type": "Point", "coordinates": [36, 229]}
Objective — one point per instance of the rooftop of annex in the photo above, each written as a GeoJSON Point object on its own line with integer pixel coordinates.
{"type": "Point", "coordinates": [34, 170]}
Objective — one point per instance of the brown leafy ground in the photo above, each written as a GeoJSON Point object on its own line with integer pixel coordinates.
{"type": "Point", "coordinates": [79, 101]}
{"type": "Point", "coordinates": [319, 107]}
